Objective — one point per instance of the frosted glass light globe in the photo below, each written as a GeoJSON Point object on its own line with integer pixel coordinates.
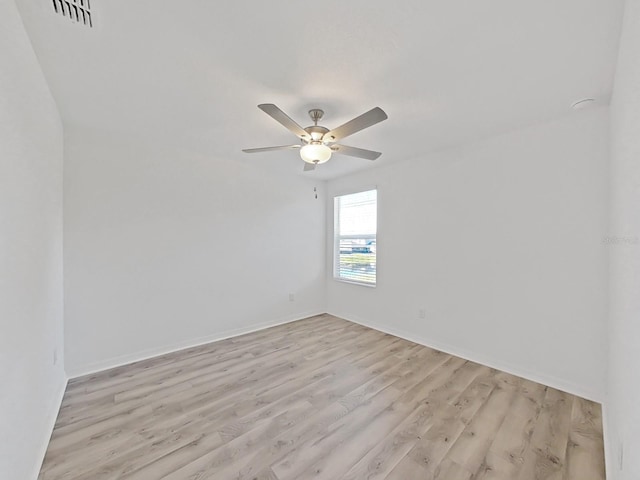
{"type": "Point", "coordinates": [315, 153]}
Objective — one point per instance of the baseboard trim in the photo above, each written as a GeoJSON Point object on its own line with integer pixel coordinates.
{"type": "Point", "coordinates": [190, 343]}
{"type": "Point", "coordinates": [52, 416]}
{"type": "Point", "coordinates": [548, 380]}
{"type": "Point", "coordinates": [610, 444]}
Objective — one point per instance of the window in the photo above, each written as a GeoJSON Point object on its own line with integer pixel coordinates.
{"type": "Point", "coordinates": [355, 226]}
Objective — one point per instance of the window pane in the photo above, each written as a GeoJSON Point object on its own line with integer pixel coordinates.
{"type": "Point", "coordinates": [358, 213]}
{"type": "Point", "coordinates": [355, 230]}
{"type": "Point", "coordinates": [356, 266]}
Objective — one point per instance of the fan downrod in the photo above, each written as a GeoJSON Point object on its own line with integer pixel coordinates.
{"type": "Point", "coordinates": [316, 114]}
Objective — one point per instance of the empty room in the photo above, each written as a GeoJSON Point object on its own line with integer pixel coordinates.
{"type": "Point", "coordinates": [351, 240]}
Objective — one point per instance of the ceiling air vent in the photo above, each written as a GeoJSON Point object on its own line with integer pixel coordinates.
{"type": "Point", "coordinates": [77, 10]}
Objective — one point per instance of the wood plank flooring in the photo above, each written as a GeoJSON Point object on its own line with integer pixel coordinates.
{"type": "Point", "coordinates": [321, 398]}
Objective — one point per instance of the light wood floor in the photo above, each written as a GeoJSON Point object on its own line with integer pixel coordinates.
{"type": "Point", "coordinates": [320, 398]}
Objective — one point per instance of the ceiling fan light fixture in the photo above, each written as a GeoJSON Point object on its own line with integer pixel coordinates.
{"type": "Point", "coordinates": [315, 153]}
{"type": "Point", "coordinates": [318, 142]}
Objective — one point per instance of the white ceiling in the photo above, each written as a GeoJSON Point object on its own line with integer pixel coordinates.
{"type": "Point", "coordinates": [191, 72]}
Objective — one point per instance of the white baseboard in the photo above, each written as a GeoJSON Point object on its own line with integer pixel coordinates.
{"type": "Point", "coordinates": [52, 416]}
{"type": "Point", "coordinates": [548, 380]}
{"type": "Point", "coordinates": [611, 443]}
{"type": "Point", "coordinates": [193, 342]}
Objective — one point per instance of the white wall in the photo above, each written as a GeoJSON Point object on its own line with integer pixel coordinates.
{"type": "Point", "coordinates": [501, 243]}
{"type": "Point", "coordinates": [622, 408]}
{"type": "Point", "coordinates": [167, 248]}
{"type": "Point", "coordinates": [31, 386]}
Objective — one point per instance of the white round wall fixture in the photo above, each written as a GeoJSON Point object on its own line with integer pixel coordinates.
{"type": "Point", "coordinates": [583, 103]}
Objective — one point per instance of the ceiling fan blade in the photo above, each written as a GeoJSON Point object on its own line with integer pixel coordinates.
{"type": "Point", "coordinates": [309, 166]}
{"type": "Point", "coordinates": [282, 118]}
{"type": "Point", "coordinates": [355, 152]}
{"type": "Point", "coordinates": [373, 116]}
{"type": "Point", "coordinates": [269, 149]}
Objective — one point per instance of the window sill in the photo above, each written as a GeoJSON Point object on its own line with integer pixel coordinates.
{"type": "Point", "coordinates": [353, 282]}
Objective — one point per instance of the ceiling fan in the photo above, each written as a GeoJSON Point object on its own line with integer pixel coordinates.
{"type": "Point", "coordinates": [317, 143]}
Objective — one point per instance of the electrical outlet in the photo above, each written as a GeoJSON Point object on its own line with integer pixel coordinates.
{"type": "Point", "coordinates": [55, 356]}
{"type": "Point", "coordinates": [422, 313]}
{"type": "Point", "coordinates": [292, 297]}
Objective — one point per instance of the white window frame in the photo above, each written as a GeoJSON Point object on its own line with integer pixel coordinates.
{"type": "Point", "coordinates": [337, 238]}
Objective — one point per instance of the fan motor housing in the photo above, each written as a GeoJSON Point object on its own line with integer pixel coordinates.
{"type": "Point", "coordinates": [316, 132]}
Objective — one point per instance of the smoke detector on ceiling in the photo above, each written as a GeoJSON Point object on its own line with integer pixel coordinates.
{"type": "Point", "coordinates": [583, 103]}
